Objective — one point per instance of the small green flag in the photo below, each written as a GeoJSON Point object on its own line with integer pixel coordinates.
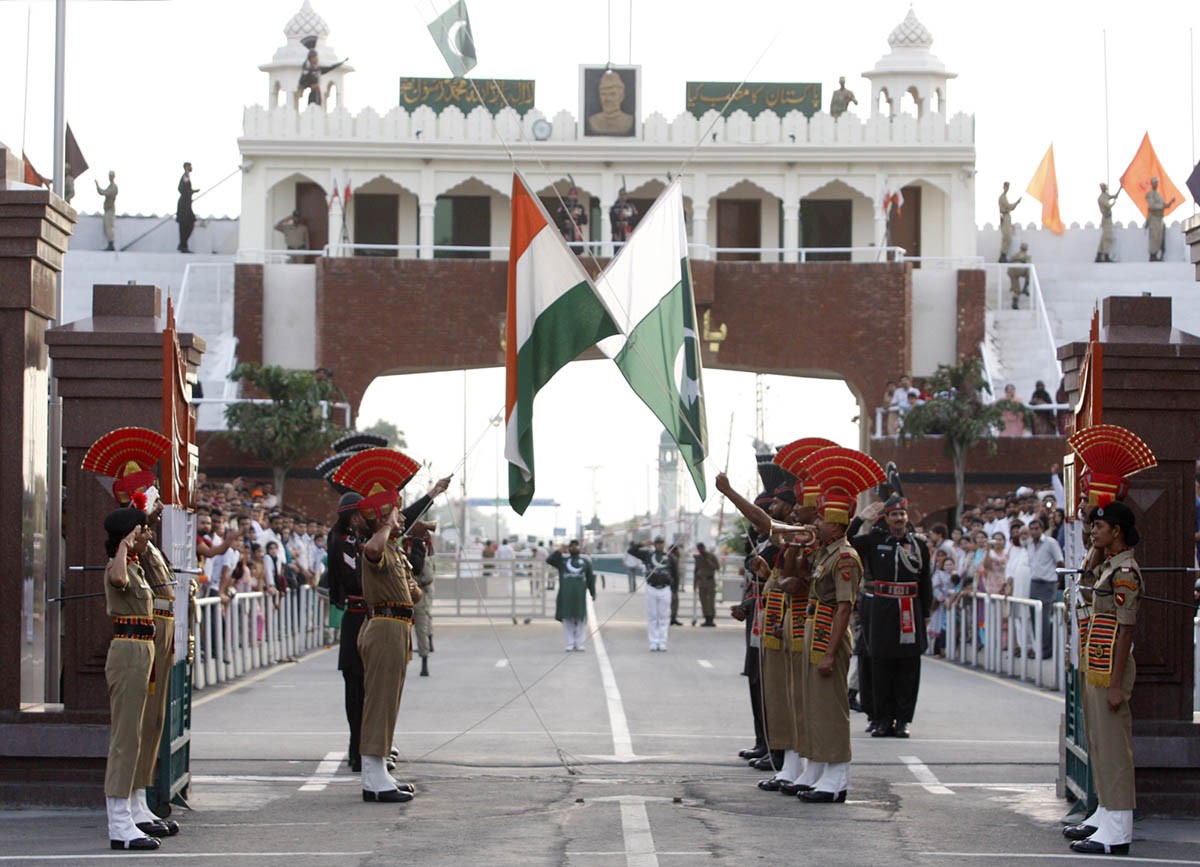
{"type": "Point", "coordinates": [452, 32]}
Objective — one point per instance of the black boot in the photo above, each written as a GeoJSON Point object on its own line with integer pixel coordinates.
{"type": "Point", "coordinates": [424, 666]}
{"type": "Point", "coordinates": [708, 621]}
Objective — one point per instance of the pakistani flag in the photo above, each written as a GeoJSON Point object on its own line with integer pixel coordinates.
{"type": "Point", "coordinates": [554, 313]}
{"type": "Point", "coordinates": [452, 32]}
{"type": "Point", "coordinates": [648, 288]}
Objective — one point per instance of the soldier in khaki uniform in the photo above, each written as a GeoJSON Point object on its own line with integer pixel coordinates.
{"type": "Point", "coordinates": [1113, 585]}
{"type": "Point", "coordinates": [124, 458]}
{"type": "Point", "coordinates": [774, 617]}
{"type": "Point", "coordinates": [162, 582]}
{"type": "Point", "coordinates": [389, 592]}
{"type": "Point", "coordinates": [129, 602]}
{"type": "Point", "coordinates": [1106, 607]}
{"type": "Point", "coordinates": [833, 573]}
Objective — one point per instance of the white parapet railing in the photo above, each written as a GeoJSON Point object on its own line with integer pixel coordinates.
{"type": "Point", "coordinates": [255, 630]}
{"type": "Point", "coordinates": [1003, 635]}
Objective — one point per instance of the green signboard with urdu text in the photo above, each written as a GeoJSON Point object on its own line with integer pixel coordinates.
{"type": "Point", "coordinates": [441, 93]}
{"type": "Point", "coordinates": [753, 97]}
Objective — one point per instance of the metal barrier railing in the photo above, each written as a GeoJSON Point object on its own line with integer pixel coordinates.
{"type": "Point", "coordinates": [1003, 635]}
{"type": "Point", "coordinates": [254, 630]}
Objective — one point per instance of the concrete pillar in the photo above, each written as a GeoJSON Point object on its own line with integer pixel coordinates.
{"type": "Point", "coordinates": [791, 217]}
{"type": "Point", "coordinates": [700, 209]}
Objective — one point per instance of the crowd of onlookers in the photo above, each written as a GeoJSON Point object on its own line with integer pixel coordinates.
{"type": "Point", "coordinates": [245, 543]}
{"type": "Point", "coordinates": [1010, 545]}
{"type": "Point", "coordinates": [1019, 418]}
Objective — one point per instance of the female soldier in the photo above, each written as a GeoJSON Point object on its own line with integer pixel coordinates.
{"type": "Point", "coordinates": [130, 603]}
{"type": "Point", "coordinates": [1113, 582]}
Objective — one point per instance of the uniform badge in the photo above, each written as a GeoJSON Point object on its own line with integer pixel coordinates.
{"type": "Point", "coordinates": [1120, 597]}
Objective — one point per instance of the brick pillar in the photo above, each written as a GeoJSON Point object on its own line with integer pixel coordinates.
{"type": "Point", "coordinates": [34, 228]}
{"type": "Point", "coordinates": [1150, 386]}
{"type": "Point", "coordinates": [110, 372]}
{"type": "Point", "coordinates": [972, 313]}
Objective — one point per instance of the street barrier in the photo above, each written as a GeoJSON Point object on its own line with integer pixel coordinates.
{"type": "Point", "coordinates": [254, 630]}
{"type": "Point", "coordinates": [1003, 635]}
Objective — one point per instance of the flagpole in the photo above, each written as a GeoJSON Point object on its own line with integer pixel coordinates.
{"type": "Point", "coordinates": [54, 480]}
{"type": "Point", "coordinates": [1192, 78]}
{"type": "Point", "coordinates": [25, 108]}
{"type": "Point", "coordinates": [1107, 158]}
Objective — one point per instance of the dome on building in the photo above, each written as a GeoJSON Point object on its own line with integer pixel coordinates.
{"type": "Point", "coordinates": [306, 29]}
{"type": "Point", "coordinates": [909, 33]}
{"type": "Point", "coordinates": [306, 22]}
{"type": "Point", "coordinates": [909, 69]}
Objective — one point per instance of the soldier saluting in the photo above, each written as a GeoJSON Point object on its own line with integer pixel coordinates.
{"type": "Point", "coordinates": [898, 595]}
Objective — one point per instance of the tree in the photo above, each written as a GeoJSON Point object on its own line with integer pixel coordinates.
{"type": "Point", "coordinates": [388, 431]}
{"type": "Point", "coordinates": [958, 413]}
{"type": "Point", "coordinates": [295, 423]}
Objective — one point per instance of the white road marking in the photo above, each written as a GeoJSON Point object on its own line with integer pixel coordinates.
{"type": "Point", "coordinates": [925, 776]}
{"type": "Point", "coordinates": [1053, 696]}
{"type": "Point", "coordinates": [1074, 856]}
{"type": "Point", "coordinates": [324, 773]}
{"type": "Point", "coordinates": [150, 856]}
{"type": "Point", "coordinates": [704, 663]}
{"type": "Point", "coordinates": [635, 828]}
{"type": "Point", "coordinates": [622, 741]}
{"type": "Point", "coordinates": [501, 663]}
{"type": "Point", "coordinates": [1021, 787]}
{"type": "Point", "coordinates": [263, 778]}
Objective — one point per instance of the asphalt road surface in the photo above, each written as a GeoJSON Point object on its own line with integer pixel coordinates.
{"type": "Point", "coordinates": [525, 755]}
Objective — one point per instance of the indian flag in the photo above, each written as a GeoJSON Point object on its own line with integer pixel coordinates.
{"type": "Point", "coordinates": [648, 288]}
{"type": "Point", "coordinates": [554, 314]}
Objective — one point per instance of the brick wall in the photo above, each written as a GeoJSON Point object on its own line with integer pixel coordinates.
{"type": "Point", "coordinates": [928, 474]}
{"type": "Point", "coordinates": [972, 307]}
{"type": "Point", "coordinates": [248, 312]}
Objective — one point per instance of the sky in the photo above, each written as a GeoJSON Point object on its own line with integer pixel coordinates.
{"type": "Point", "coordinates": [151, 84]}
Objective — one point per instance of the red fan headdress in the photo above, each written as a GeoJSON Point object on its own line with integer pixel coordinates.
{"type": "Point", "coordinates": [378, 475]}
{"type": "Point", "coordinates": [793, 458]}
{"type": "Point", "coordinates": [842, 474]}
{"type": "Point", "coordinates": [126, 455]}
{"type": "Point", "coordinates": [1111, 454]}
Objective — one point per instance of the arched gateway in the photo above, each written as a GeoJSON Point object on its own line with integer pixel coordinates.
{"type": "Point", "coordinates": [374, 317]}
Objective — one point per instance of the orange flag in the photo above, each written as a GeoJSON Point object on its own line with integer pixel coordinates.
{"type": "Point", "coordinates": [1136, 180]}
{"type": "Point", "coordinates": [1044, 188]}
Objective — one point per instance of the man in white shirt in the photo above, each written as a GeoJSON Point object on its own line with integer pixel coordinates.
{"type": "Point", "coordinates": [1017, 572]}
{"type": "Point", "coordinates": [1044, 558]}
{"type": "Point", "coordinates": [905, 397]}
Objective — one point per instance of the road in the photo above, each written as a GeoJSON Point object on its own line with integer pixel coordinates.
{"type": "Point", "coordinates": [525, 755]}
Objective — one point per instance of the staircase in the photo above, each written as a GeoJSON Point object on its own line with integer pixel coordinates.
{"type": "Point", "coordinates": [1018, 348]}
{"type": "Point", "coordinates": [205, 307]}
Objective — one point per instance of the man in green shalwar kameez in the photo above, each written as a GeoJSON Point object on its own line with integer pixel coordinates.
{"type": "Point", "coordinates": [575, 581]}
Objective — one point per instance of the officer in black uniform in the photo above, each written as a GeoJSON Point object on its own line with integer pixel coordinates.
{"type": "Point", "coordinates": [895, 609]}
{"type": "Point", "coordinates": [343, 546]}
{"type": "Point", "coordinates": [623, 216]}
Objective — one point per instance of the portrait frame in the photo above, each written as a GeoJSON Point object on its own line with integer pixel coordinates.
{"type": "Point", "coordinates": [590, 108]}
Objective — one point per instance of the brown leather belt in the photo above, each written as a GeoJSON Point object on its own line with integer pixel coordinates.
{"type": "Point", "coordinates": [393, 611]}
{"type": "Point", "coordinates": [141, 628]}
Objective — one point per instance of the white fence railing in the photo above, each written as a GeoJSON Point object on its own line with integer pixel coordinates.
{"type": "Point", "coordinates": [1003, 635]}
{"type": "Point", "coordinates": [254, 630]}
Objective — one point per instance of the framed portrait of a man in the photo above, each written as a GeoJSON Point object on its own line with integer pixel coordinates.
{"type": "Point", "coordinates": [609, 98]}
